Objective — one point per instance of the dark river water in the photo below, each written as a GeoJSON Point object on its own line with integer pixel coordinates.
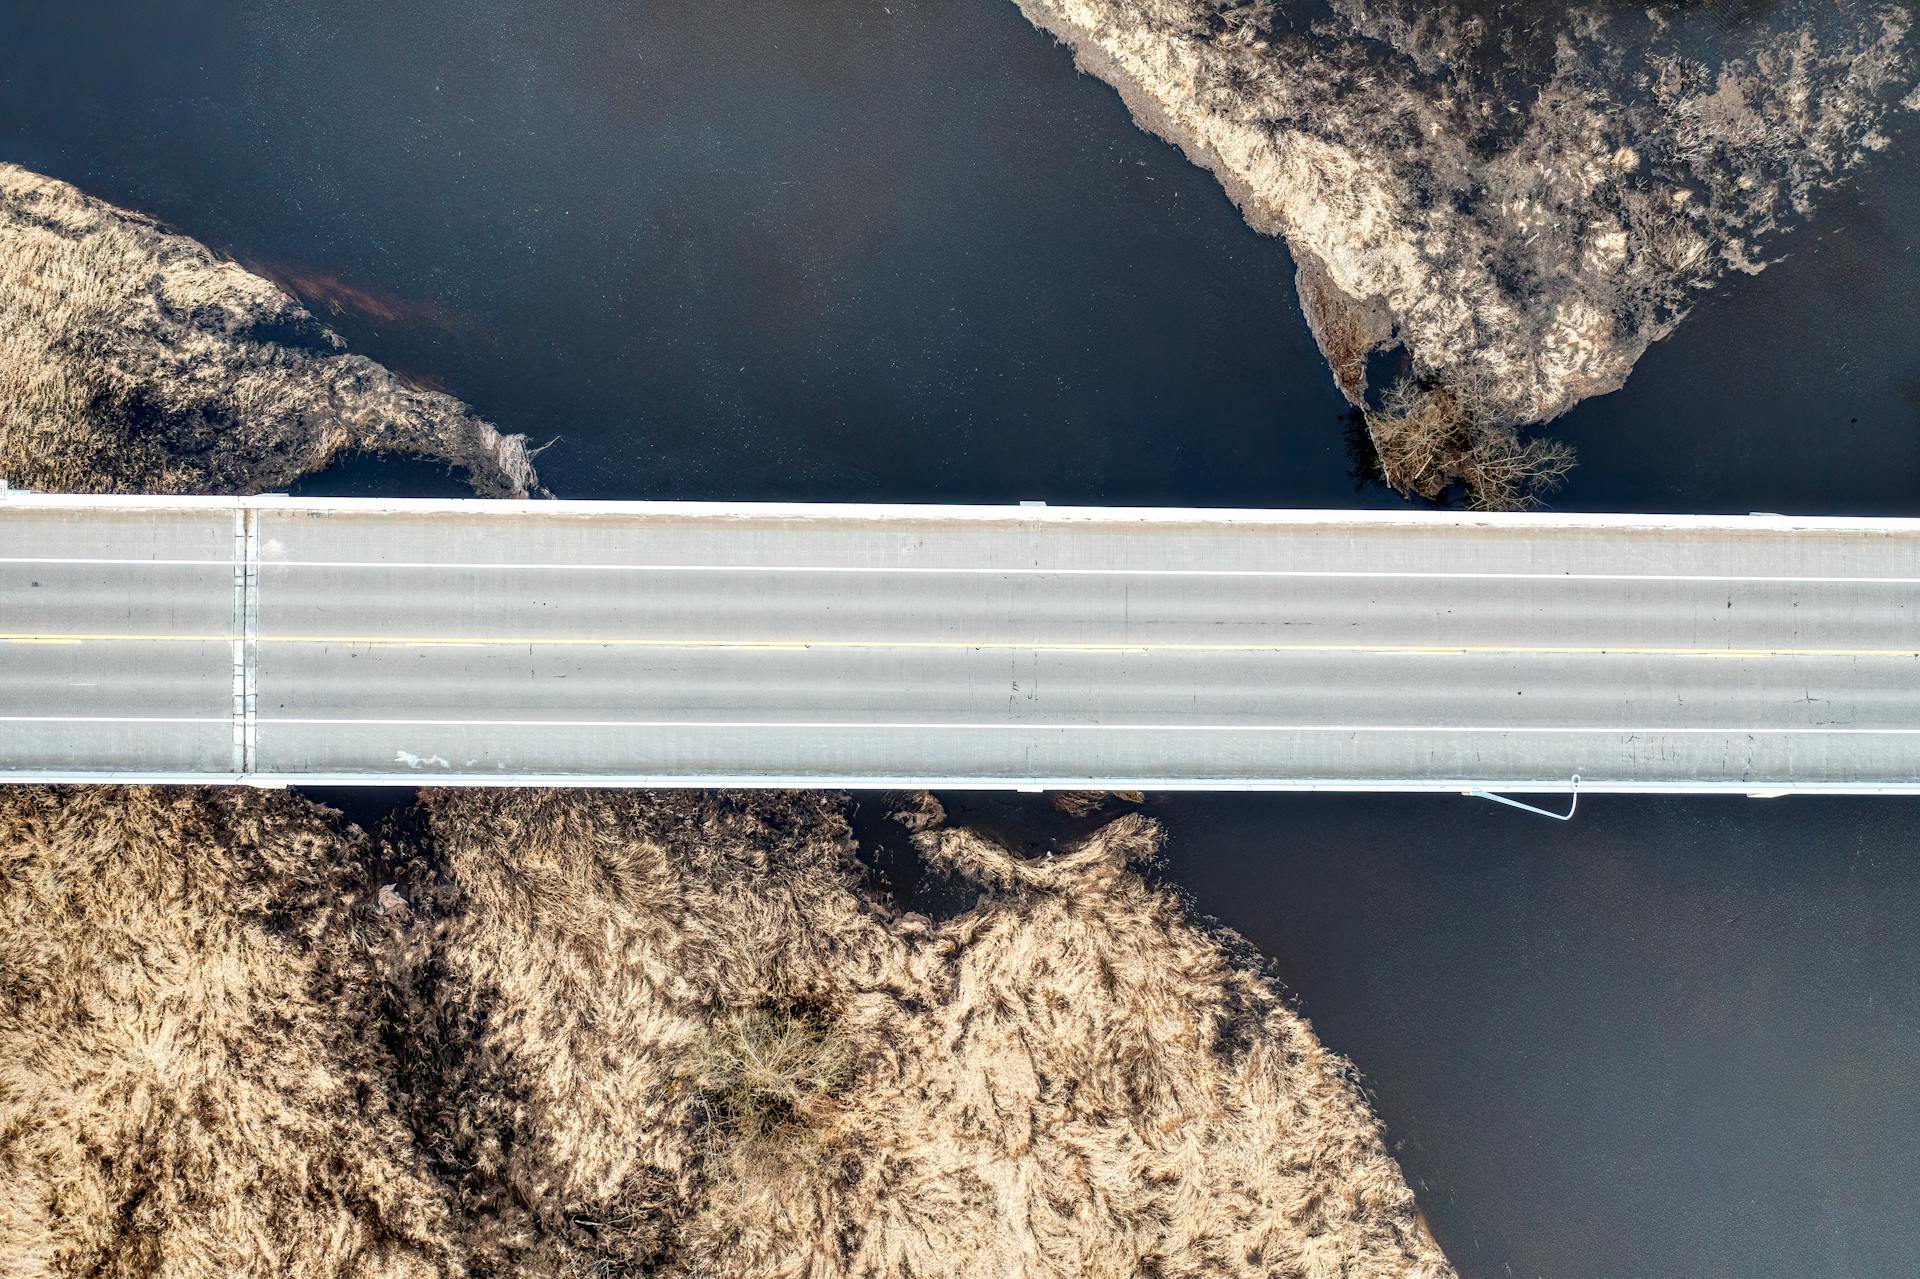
{"type": "Point", "coordinates": [815, 249]}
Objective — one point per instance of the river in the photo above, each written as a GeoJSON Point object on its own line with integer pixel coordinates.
{"type": "Point", "coordinates": [847, 249]}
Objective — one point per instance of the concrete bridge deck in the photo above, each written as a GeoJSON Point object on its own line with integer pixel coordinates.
{"type": "Point", "coordinates": [277, 640]}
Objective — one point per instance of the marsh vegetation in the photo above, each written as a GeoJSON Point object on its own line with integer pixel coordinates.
{"type": "Point", "coordinates": [1523, 197]}
{"type": "Point", "coordinates": [133, 359]}
{"type": "Point", "coordinates": [575, 1033]}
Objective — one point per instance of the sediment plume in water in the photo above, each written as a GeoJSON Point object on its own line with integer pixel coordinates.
{"type": "Point", "coordinates": [133, 359]}
{"type": "Point", "coordinates": [1519, 197]}
{"type": "Point", "coordinates": [674, 1033]}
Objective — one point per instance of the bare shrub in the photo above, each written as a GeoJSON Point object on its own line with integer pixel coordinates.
{"type": "Point", "coordinates": [768, 1076]}
{"type": "Point", "coordinates": [1428, 440]}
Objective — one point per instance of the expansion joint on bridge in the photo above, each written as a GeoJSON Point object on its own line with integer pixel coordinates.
{"type": "Point", "coordinates": [246, 635]}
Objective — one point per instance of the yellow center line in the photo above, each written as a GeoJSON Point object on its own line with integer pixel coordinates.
{"type": "Point", "coordinates": [1061, 646]}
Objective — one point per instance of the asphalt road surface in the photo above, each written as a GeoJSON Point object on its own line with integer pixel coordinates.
{"type": "Point", "coordinates": [588, 643]}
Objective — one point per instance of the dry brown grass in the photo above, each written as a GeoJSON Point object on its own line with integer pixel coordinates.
{"type": "Point", "coordinates": [190, 1082]}
{"type": "Point", "coordinates": [588, 957]}
{"type": "Point", "coordinates": [1085, 803]}
{"type": "Point", "coordinates": [133, 359]}
{"type": "Point", "coordinates": [633, 1033]}
{"type": "Point", "coordinates": [716, 1038]}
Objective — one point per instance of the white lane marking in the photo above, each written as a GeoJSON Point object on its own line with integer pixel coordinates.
{"type": "Point", "coordinates": [1012, 571]}
{"type": "Point", "coordinates": [964, 726]}
{"type": "Point", "coordinates": [1121, 648]}
{"type": "Point", "coordinates": [1014, 725]}
{"type": "Point", "coordinates": [974, 727]}
{"type": "Point", "coordinates": [116, 719]}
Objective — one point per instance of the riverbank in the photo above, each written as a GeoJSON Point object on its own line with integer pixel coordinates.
{"type": "Point", "coordinates": [621, 1032]}
{"type": "Point", "coordinates": [134, 359]}
{"type": "Point", "coordinates": [831, 251]}
{"type": "Point", "coordinates": [1518, 220]}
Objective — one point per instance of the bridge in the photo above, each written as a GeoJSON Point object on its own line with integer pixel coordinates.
{"type": "Point", "coordinates": [275, 640]}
